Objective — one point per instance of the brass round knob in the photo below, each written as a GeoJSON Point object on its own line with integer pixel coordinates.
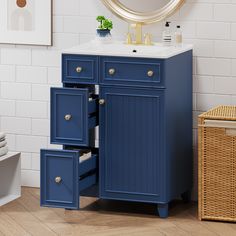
{"type": "Point", "coordinates": [101, 101]}
{"type": "Point", "coordinates": [112, 71]}
{"type": "Point", "coordinates": [58, 179]}
{"type": "Point", "coordinates": [68, 117]}
{"type": "Point", "coordinates": [150, 73]}
{"type": "Point", "coordinates": [79, 69]}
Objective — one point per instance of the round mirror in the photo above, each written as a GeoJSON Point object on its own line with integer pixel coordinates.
{"type": "Point", "coordinates": [149, 12]}
{"type": "Point", "coordinates": [149, 5]}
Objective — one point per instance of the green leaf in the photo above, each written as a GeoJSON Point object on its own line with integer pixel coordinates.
{"type": "Point", "coordinates": [100, 18]}
{"type": "Point", "coordinates": [107, 24]}
{"type": "Point", "coordinates": [104, 23]}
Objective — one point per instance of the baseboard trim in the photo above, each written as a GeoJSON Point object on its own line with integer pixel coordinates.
{"type": "Point", "coordinates": [30, 178]}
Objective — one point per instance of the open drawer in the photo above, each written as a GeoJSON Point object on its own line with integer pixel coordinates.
{"type": "Point", "coordinates": [64, 174]}
{"type": "Point", "coordinates": [73, 114]}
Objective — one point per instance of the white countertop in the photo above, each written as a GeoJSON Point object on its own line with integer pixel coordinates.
{"type": "Point", "coordinates": [120, 49]}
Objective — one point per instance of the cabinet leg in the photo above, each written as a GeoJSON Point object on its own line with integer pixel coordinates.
{"type": "Point", "coordinates": [186, 196]}
{"type": "Point", "coordinates": [163, 210]}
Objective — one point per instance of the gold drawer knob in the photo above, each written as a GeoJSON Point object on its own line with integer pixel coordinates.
{"type": "Point", "coordinates": [68, 117]}
{"type": "Point", "coordinates": [58, 179]}
{"type": "Point", "coordinates": [112, 71]}
{"type": "Point", "coordinates": [79, 69]}
{"type": "Point", "coordinates": [101, 101]}
{"type": "Point", "coordinates": [150, 73]}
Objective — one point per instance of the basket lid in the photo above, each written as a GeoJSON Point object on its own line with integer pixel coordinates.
{"type": "Point", "coordinates": [220, 113]}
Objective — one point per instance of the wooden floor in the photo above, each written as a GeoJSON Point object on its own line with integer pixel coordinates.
{"type": "Point", "coordinates": [98, 217]}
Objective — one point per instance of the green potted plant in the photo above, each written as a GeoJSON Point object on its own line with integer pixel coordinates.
{"type": "Point", "coordinates": [105, 26]}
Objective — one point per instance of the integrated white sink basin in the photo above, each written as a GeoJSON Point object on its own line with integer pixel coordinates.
{"type": "Point", "coordinates": [121, 49]}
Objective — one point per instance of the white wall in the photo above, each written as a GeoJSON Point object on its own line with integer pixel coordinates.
{"type": "Point", "coordinates": [27, 72]}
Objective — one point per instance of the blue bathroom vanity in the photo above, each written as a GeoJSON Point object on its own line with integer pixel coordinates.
{"type": "Point", "coordinates": [144, 112]}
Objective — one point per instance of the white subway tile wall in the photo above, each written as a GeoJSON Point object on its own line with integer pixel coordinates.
{"type": "Point", "coordinates": [28, 72]}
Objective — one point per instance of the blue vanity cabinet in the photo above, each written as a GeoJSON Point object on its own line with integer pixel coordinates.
{"type": "Point", "coordinates": [145, 130]}
{"type": "Point", "coordinates": [131, 144]}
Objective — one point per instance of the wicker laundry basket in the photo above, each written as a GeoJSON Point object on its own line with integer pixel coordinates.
{"type": "Point", "coordinates": [217, 164]}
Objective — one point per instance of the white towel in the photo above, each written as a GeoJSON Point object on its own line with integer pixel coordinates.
{"type": "Point", "coordinates": [3, 150]}
{"type": "Point", "coordinates": [3, 143]}
{"type": "Point", "coordinates": [2, 135]}
{"type": "Point", "coordinates": [3, 139]}
{"type": "Point", "coordinates": [85, 157]}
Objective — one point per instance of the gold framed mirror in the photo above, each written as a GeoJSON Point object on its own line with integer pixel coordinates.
{"type": "Point", "coordinates": [150, 12]}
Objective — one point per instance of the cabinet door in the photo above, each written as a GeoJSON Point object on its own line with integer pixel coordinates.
{"type": "Point", "coordinates": [131, 144]}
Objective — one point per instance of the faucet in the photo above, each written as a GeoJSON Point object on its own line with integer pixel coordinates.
{"type": "Point", "coordinates": [138, 36]}
{"type": "Point", "coordinates": [138, 33]}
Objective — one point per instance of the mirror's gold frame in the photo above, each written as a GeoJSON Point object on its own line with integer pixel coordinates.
{"type": "Point", "coordinates": [142, 17]}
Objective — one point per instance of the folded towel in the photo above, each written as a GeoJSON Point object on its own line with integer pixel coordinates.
{"type": "Point", "coordinates": [3, 150]}
{"type": "Point", "coordinates": [2, 135]}
{"type": "Point", "coordinates": [3, 139]}
{"type": "Point", "coordinates": [3, 143]}
{"type": "Point", "coordinates": [85, 157]}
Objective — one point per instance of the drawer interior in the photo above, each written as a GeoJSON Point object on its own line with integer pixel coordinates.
{"type": "Point", "coordinates": [92, 105]}
{"type": "Point", "coordinates": [87, 169]}
{"type": "Point", "coordinates": [88, 164]}
{"type": "Point", "coordinates": [88, 161]}
{"type": "Point", "coordinates": [88, 181]}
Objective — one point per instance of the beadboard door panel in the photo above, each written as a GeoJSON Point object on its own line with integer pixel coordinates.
{"type": "Point", "coordinates": [131, 143]}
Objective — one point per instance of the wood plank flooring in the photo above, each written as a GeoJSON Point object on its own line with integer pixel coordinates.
{"type": "Point", "coordinates": [104, 218]}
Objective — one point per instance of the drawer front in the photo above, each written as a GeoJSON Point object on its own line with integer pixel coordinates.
{"type": "Point", "coordinates": [59, 178]}
{"type": "Point", "coordinates": [70, 116]}
{"type": "Point", "coordinates": [79, 69]}
{"type": "Point", "coordinates": [131, 71]}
